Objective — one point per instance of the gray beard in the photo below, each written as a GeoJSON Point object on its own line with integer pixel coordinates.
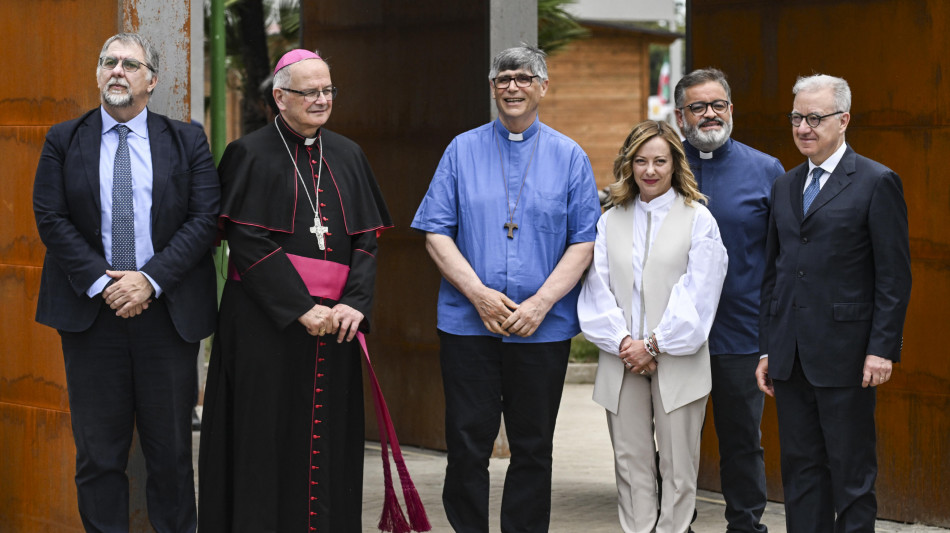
{"type": "Point", "coordinates": [707, 141]}
{"type": "Point", "coordinates": [117, 100]}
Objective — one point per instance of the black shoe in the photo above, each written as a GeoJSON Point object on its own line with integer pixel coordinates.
{"type": "Point", "coordinates": [195, 420]}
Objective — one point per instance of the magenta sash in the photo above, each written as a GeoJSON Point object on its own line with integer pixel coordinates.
{"type": "Point", "coordinates": [326, 279]}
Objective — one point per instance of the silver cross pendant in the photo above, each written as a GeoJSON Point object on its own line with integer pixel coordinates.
{"type": "Point", "coordinates": [319, 230]}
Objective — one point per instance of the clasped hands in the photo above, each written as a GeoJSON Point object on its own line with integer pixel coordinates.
{"type": "Point", "coordinates": [340, 319]}
{"type": "Point", "coordinates": [635, 357]}
{"type": "Point", "coordinates": [129, 292]}
{"type": "Point", "coordinates": [503, 316]}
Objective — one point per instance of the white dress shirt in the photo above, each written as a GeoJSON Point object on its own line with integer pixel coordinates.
{"type": "Point", "coordinates": [692, 307]}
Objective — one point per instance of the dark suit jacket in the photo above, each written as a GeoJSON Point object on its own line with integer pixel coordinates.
{"type": "Point", "coordinates": [185, 198]}
{"type": "Point", "coordinates": [837, 282]}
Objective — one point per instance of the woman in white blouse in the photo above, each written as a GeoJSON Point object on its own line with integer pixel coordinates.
{"type": "Point", "coordinates": [648, 303]}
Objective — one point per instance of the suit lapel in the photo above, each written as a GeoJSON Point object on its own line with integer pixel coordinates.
{"type": "Point", "coordinates": [90, 139]}
{"type": "Point", "coordinates": [159, 142]}
{"type": "Point", "coordinates": [836, 183]}
{"type": "Point", "coordinates": [797, 185]}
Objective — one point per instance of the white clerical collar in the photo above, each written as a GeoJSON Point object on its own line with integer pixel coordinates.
{"type": "Point", "coordinates": [525, 135]}
{"type": "Point", "coordinates": [705, 155]}
{"type": "Point", "coordinates": [309, 141]}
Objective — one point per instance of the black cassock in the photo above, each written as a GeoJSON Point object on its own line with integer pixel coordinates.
{"type": "Point", "coordinates": [282, 431]}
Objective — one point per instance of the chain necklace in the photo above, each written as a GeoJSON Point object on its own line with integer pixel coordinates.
{"type": "Point", "coordinates": [510, 225]}
{"type": "Point", "coordinates": [318, 229]}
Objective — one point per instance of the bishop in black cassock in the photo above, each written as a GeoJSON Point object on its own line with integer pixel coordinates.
{"type": "Point", "coordinates": [282, 434]}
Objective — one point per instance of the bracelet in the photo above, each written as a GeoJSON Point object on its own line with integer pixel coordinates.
{"type": "Point", "coordinates": [651, 346]}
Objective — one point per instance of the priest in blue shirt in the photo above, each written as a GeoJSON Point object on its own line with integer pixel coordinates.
{"type": "Point", "coordinates": [738, 181]}
{"type": "Point", "coordinates": [510, 218]}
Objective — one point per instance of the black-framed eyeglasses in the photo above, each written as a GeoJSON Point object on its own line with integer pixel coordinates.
{"type": "Point", "coordinates": [128, 65]}
{"type": "Point", "coordinates": [812, 119]}
{"type": "Point", "coordinates": [314, 94]}
{"type": "Point", "coordinates": [521, 80]}
{"type": "Point", "coordinates": [699, 108]}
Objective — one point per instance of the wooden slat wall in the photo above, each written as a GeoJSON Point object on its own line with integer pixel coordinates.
{"type": "Point", "coordinates": [598, 91]}
{"type": "Point", "coordinates": [893, 54]}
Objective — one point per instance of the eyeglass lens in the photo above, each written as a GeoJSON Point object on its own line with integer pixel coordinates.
{"type": "Point", "coordinates": [128, 65]}
{"type": "Point", "coordinates": [698, 108]}
{"type": "Point", "coordinates": [521, 80]}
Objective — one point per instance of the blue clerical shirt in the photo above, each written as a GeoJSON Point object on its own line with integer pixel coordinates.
{"type": "Point", "coordinates": [738, 181]}
{"type": "Point", "coordinates": [555, 205]}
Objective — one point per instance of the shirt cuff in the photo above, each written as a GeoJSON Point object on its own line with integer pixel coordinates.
{"type": "Point", "coordinates": [155, 286]}
{"type": "Point", "coordinates": [98, 286]}
{"type": "Point", "coordinates": [660, 341]}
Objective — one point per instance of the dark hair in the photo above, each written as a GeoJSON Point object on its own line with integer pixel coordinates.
{"type": "Point", "coordinates": [698, 77]}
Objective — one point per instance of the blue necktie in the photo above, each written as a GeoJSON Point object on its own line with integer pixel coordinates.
{"type": "Point", "coordinates": [812, 190]}
{"type": "Point", "coordinates": [123, 219]}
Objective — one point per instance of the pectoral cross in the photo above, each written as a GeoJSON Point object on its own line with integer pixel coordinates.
{"type": "Point", "coordinates": [319, 230]}
{"type": "Point", "coordinates": [511, 227]}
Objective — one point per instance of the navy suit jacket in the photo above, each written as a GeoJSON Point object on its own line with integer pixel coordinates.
{"type": "Point", "coordinates": [837, 281]}
{"type": "Point", "coordinates": [185, 203]}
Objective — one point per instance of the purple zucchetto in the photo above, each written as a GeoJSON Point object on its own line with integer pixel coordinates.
{"type": "Point", "coordinates": [294, 56]}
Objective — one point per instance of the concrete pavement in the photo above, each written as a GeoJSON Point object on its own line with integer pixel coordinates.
{"type": "Point", "coordinates": [583, 494]}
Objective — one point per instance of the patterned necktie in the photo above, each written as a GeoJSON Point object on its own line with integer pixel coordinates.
{"type": "Point", "coordinates": [812, 190]}
{"type": "Point", "coordinates": [123, 220]}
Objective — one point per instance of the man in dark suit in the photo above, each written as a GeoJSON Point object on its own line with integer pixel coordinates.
{"type": "Point", "coordinates": [126, 203]}
{"type": "Point", "coordinates": [834, 296]}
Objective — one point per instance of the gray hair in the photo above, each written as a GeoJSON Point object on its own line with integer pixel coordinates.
{"type": "Point", "coordinates": [282, 77]}
{"type": "Point", "coordinates": [524, 56]}
{"type": "Point", "coordinates": [839, 88]}
{"type": "Point", "coordinates": [699, 77]}
{"type": "Point", "coordinates": [151, 53]}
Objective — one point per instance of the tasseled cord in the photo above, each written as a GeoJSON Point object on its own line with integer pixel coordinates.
{"type": "Point", "coordinates": [392, 519]}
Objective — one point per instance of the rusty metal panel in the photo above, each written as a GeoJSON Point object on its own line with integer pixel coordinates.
{"type": "Point", "coordinates": [37, 469]}
{"type": "Point", "coordinates": [31, 371]}
{"type": "Point", "coordinates": [900, 117]}
{"type": "Point", "coordinates": [19, 242]}
{"type": "Point", "coordinates": [403, 97]}
{"type": "Point", "coordinates": [50, 50]}
{"type": "Point", "coordinates": [50, 62]}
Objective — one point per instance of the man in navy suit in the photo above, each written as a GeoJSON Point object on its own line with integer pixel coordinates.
{"type": "Point", "coordinates": [126, 202]}
{"type": "Point", "coordinates": [834, 296]}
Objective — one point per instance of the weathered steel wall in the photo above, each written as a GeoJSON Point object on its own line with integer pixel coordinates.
{"type": "Point", "coordinates": [50, 49]}
{"type": "Point", "coordinates": [411, 78]}
{"type": "Point", "coordinates": [893, 54]}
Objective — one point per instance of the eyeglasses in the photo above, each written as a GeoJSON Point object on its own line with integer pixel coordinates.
{"type": "Point", "coordinates": [699, 108]}
{"type": "Point", "coordinates": [314, 94]}
{"type": "Point", "coordinates": [521, 80]}
{"type": "Point", "coordinates": [128, 65]}
{"type": "Point", "coordinates": [812, 119]}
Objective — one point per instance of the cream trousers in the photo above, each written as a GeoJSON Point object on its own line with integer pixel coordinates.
{"type": "Point", "coordinates": [639, 417]}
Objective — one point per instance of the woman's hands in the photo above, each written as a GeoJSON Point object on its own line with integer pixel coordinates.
{"type": "Point", "coordinates": [636, 358]}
